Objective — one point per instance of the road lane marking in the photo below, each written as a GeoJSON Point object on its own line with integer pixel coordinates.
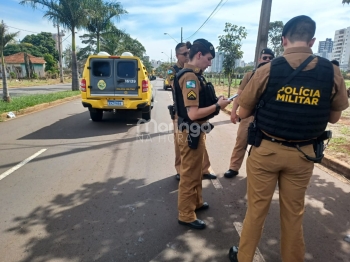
{"type": "Point", "coordinates": [8, 172]}
{"type": "Point", "coordinates": [257, 256]}
{"type": "Point", "coordinates": [216, 182]}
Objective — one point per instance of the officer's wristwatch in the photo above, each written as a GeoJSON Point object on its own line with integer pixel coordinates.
{"type": "Point", "coordinates": [217, 108]}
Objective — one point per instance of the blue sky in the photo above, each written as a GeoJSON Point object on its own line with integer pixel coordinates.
{"type": "Point", "coordinates": [148, 20]}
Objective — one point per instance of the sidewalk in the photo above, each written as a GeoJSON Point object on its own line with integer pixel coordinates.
{"type": "Point", "coordinates": [329, 162]}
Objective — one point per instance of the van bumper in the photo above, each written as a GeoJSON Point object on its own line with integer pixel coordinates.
{"type": "Point", "coordinates": [127, 104]}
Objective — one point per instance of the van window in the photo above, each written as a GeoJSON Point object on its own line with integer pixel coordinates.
{"type": "Point", "coordinates": [126, 69]}
{"type": "Point", "coordinates": [101, 68]}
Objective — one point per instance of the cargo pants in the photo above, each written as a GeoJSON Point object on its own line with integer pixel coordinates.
{"type": "Point", "coordinates": [267, 165]}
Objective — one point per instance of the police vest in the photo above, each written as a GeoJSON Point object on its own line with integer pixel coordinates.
{"type": "Point", "coordinates": [299, 110]}
{"type": "Point", "coordinates": [206, 96]}
{"type": "Point", "coordinates": [177, 69]}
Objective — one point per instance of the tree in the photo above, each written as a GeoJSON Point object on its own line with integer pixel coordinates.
{"type": "Point", "coordinates": [100, 18]}
{"type": "Point", "coordinates": [37, 51]}
{"type": "Point", "coordinates": [230, 45]}
{"type": "Point", "coordinates": [5, 38]}
{"type": "Point", "coordinates": [44, 42]}
{"type": "Point", "coordinates": [51, 64]}
{"type": "Point", "coordinates": [275, 35]}
{"type": "Point", "coordinates": [346, 1]}
{"type": "Point", "coordinates": [71, 15]}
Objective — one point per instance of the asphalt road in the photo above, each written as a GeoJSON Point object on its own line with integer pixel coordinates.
{"type": "Point", "coordinates": [106, 192]}
{"type": "Point", "coordinates": [38, 89]}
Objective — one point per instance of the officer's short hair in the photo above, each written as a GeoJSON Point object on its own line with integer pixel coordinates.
{"type": "Point", "coordinates": [178, 46]}
{"type": "Point", "coordinates": [299, 28]}
{"type": "Point", "coordinates": [200, 45]}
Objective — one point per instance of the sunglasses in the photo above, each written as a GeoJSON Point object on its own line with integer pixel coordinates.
{"type": "Point", "coordinates": [267, 57]}
{"type": "Point", "coordinates": [184, 54]}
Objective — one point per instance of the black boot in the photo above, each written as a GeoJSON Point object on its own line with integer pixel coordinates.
{"type": "Point", "coordinates": [232, 254]}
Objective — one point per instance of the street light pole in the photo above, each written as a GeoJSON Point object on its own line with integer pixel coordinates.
{"type": "Point", "coordinates": [171, 37]}
{"type": "Point", "coordinates": [181, 34]}
{"type": "Point", "coordinates": [166, 55]}
{"type": "Point", "coordinates": [263, 30]}
{"type": "Point", "coordinates": [60, 52]}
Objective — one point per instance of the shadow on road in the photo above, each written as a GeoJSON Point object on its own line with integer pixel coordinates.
{"type": "Point", "coordinates": [119, 220]}
{"type": "Point", "coordinates": [81, 126]}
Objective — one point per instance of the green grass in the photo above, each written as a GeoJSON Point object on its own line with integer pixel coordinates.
{"type": "Point", "coordinates": [19, 103]}
{"type": "Point", "coordinates": [347, 82]}
{"type": "Point", "coordinates": [345, 130]}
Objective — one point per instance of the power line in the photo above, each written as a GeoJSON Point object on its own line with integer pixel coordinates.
{"type": "Point", "coordinates": [218, 5]}
{"type": "Point", "coordinates": [22, 29]}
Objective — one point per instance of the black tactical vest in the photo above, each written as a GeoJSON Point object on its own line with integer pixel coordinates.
{"type": "Point", "coordinates": [177, 69]}
{"type": "Point", "coordinates": [299, 110]}
{"type": "Point", "coordinates": [207, 96]}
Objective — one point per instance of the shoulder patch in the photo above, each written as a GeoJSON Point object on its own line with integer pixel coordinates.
{"type": "Point", "coordinates": [191, 84]}
{"type": "Point", "coordinates": [170, 72]}
{"type": "Point", "coordinates": [191, 95]}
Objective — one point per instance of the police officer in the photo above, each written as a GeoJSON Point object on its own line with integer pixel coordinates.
{"type": "Point", "coordinates": [290, 115]}
{"type": "Point", "coordinates": [238, 153]}
{"type": "Point", "coordinates": [182, 53]}
{"type": "Point", "coordinates": [196, 103]}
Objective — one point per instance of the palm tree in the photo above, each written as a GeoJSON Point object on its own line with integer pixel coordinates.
{"type": "Point", "coordinates": [5, 38]}
{"type": "Point", "coordinates": [71, 15]}
{"type": "Point", "coordinates": [100, 20]}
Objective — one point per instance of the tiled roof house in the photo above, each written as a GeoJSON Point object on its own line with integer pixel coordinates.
{"type": "Point", "coordinates": [15, 63]}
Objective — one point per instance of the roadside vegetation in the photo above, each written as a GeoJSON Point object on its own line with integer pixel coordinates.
{"type": "Point", "coordinates": [19, 103]}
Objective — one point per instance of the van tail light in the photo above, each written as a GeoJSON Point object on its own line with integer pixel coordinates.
{"type": "Point", "coordinates": [83, 85]}
{"type": "Point", "coordinates": [144, 86]}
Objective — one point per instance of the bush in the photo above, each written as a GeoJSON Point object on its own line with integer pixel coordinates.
{"type": "Point", "coordinates": [13, 75]}
{"type": "Point", "coordinates": [35, 76]}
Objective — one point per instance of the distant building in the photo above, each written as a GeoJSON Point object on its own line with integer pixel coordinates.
{"type": "Point", "coordinates": [216, 63]}
{"type": "Point", "coordinates": [325, 46]}
{"type": "Point", "coordinates": [155, 63]}
{"type": "Point", "coordinates": [15, 63]}
{"type": "Point", "coordinates": [341, 48]}
{"type": "Point", "coordinates": [325, 49]}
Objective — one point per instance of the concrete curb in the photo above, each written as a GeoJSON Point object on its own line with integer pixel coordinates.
{"type": "Point", "coordinates": [28, 110]}
{"type": "Point", "coordinates": [329, 162]}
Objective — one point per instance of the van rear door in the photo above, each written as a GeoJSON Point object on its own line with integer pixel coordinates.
{"type": "Point", "coordinates": [101, 77]}
{"type": "Point", "coordinates": [126, 77]}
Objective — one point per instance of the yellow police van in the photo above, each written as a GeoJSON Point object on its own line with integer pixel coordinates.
{"type": "Point", "coordinates": [112, 82]}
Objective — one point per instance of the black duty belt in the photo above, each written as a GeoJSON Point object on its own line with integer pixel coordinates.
{"type": "Point", "coordinates": [289, 144]}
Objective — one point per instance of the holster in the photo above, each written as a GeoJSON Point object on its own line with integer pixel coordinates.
{"type": "Point", "coordinates": [193, 132]}
{"type": "Point", "coordinates": [254, 135]}
{"type": "Point", "coordinates": [193, 136]}
{"type": "Point", "coordinates": [171, 109]}
{"type": "Point", "coordinates": [319, 146]}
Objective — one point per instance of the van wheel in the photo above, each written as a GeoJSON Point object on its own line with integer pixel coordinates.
{"type": "Point", "coordinates": [96, 115]}
{"type": "Point", "coordinates": [146, 113]}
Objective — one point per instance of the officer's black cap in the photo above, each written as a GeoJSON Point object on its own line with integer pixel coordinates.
{"type": "Point", "coordinates": [289, 26]}
{"type": "Point", "coordinates": [209, 46]}
{"type": "Point", "coordinates": [267, 51]}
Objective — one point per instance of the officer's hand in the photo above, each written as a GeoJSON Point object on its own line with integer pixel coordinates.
{"type": "Point", "coordinates": [234, 117]}
{"type": "Point", "coordinates": [223, 102]}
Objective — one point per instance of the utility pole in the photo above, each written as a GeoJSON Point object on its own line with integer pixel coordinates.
{"type": "Point", "coordinates": [171, 56]}
{"type": "Point", "coordinates": [181, 35]}
{"type": "Point", "coordinates": [263, 32]}
{"type": "Point", "coordinates": [60, 52]}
